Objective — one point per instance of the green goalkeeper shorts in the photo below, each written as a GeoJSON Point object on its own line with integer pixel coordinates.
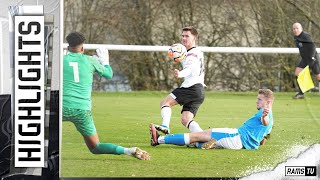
{"type": "Point", "coordinates": [82, 119]}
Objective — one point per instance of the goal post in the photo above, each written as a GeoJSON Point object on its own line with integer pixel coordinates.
{"type": "Point", "coordinates": [146, 48]}
{"type": "Point", "coordinates": [229, 50]}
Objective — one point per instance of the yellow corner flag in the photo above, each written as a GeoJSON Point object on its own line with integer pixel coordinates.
{"type": "Point", "coordinates": [304, 80]}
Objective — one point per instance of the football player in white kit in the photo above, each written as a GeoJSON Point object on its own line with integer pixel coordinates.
{"type": "Point", "coordinates": [190, 94]}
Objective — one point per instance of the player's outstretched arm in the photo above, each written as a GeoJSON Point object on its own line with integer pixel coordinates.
{"type": "Point", "coordinates": [103, 57]}
{"type": "Point", "coordinates": [108, 73]}
{"type": "Point", "coordinates": [265, 118]}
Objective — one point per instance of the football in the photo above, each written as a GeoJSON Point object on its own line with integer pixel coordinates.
{"type": "Point", "coordinates": [177, 52]}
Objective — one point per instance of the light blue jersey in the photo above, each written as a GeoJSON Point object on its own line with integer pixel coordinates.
{"type": "Point", "coordinates": [253, 131]}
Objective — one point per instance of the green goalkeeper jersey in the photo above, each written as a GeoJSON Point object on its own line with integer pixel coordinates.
{"type": "Point", "coordinates": [78, 70]}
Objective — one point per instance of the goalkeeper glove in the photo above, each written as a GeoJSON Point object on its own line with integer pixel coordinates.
{"type": "Point", "coordinates": [103, 55]}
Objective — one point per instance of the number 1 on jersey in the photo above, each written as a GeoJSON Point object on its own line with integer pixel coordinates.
{"type": "Point", "coordinates": [75, 71]}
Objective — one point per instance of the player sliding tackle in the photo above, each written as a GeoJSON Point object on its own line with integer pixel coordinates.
{"type": "Point", "coordinates": [248, 136]}
{"type": "Point", "coordinates": [78, 70]}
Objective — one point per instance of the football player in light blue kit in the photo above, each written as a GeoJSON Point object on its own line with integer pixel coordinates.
{"type": "Point", "coordinates": [248, 136]}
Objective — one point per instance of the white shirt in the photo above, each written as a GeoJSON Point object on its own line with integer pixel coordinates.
{"type": "Point", "coordinates": [193, 68]}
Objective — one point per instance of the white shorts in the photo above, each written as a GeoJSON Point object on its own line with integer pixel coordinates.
{"type": "Point", "coordinates": [228, 138]}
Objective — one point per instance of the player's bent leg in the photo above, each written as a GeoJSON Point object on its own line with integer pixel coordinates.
{"type": "Point", "coordinates": [186, 118]}
{"type": "Point", "coordinates": [185, 138]}
{"type": "Point", "coordinates": [165, 106]}
{"type": "Point", "coordinates": [166, 116]}
{"type": "Point", "coordinates": [84, 123]}
{"type": "Point", "coordinates": [101, 148]}
{"type": "Point", "coordinates": [176, 139]}
{"type": "Point", "coordinates": [228, 138]}
{"type": "Point", "coordinates": [198, 138]}
{"type": "Point", "coordinates": [168, 101]}
{"type": "Point", "coordinates": [107, 148]}
{"type": "Point", "coordinates": [202, 136]}
{"type": "Point", "coordinates": [188, 122]}
{"type": "Point", "coordinates": [154, 135]}
{"type": "Point", "coordinates": [91, 141]}
{"type": "Point", "coordinates": [188, 112]}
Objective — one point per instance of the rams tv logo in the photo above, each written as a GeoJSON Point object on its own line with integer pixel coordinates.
{"type": "Point", "coordinates": [301, 171]}
{"type": "Point", "coordinates": [29, 91]}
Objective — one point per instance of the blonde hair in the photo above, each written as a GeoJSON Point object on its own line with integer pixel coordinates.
{"type": "Point", "coordinates": [267, 93]}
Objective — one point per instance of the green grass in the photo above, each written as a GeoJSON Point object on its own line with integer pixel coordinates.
{"type": "Point", "coordinates": [123, 119]}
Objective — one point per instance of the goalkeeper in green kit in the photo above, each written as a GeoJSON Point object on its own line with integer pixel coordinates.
{"type": "Point", "coordinates": [78, 70]}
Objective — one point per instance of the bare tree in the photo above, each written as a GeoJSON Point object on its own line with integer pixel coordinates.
{"type": "Point", "coordinates": [245, 23]}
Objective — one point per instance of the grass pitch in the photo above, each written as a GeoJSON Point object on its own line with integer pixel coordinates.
{"type": "Point", "coordinates": [124, 118]}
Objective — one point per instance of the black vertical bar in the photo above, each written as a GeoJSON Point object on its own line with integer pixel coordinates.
{"type": "Point", "coordinates": [5, 133]}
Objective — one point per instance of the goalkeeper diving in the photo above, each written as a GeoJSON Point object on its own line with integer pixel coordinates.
{"type": "Point", "coordinates": [78, 71]}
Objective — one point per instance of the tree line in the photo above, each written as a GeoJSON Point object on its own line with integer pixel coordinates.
{"type": "Point", "coordinates": [221, 23]}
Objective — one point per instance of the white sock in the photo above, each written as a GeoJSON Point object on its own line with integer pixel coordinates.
{"type": "Point", "coordinates": [193, 126]}
{"type": "Point", "coordinates": [161, 139]}
{"type": "Point", "coordinates": [166, 115]}
{"type": "Point", "coordinates": [186, 138]}
{"type": "Point", "coordinates": [129, 151]}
